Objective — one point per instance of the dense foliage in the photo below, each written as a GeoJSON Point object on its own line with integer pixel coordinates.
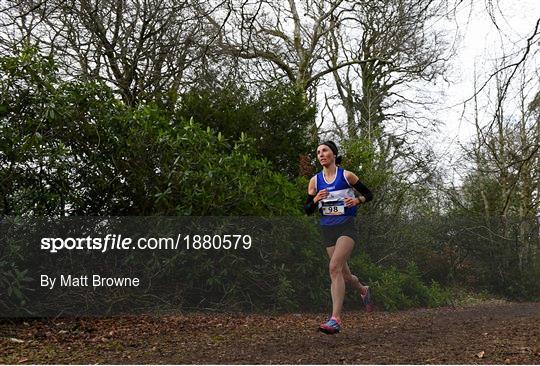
{"type": "Point", "coordinates": [71, 148]}
{"type": "Point", "coordinates": [278, 119]}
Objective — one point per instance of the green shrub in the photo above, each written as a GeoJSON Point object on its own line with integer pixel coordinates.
{"type": "Point", "coordinates": [278, 118]}
{"type": "Point", "coordinates": [395, 290]}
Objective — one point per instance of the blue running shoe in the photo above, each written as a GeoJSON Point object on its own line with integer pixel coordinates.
{"type": "Point", "coordinates": [366, 299]}
{"type": "Point", "coordinates": [332, 326]}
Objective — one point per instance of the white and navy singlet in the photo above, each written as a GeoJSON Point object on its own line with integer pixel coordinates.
{"type": "Point", "coordinates": [332, 208]}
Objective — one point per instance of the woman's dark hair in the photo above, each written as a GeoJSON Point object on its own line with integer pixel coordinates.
{"type": "Point", "coordinates": [332, 145]}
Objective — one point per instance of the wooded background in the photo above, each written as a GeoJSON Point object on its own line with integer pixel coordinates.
{"type": "Point", "coordinates": [159, 107]}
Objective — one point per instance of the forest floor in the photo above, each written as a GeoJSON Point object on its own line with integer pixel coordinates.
{"type": "Point", "coordinates": [492, 332]}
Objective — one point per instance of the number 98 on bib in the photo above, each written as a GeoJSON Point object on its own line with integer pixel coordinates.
{"type": "Point", "coordinates": [333, 208]}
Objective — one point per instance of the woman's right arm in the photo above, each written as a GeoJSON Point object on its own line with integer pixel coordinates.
{"type": "Point", "coordinates": [310, 206]}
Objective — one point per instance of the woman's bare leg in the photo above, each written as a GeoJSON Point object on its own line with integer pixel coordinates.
{"type": "Point", "coordinates": [338, 260]}
{"type": "Point", "coordinates": [349, 278]}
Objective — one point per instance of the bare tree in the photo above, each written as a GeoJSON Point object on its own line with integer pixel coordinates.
{"type": "Point", "coordinates": [507, 152]}
{"type": "Point", "coordinates": [142, 47]}
{"type": "Point", "coordinates": [380, 99]}
{"type": "Point", "coordinates": [509, 65]}
{"type": "Point", "coordinates": [285, 39]}
{"type": "Point", "coordinates": [396, 31]}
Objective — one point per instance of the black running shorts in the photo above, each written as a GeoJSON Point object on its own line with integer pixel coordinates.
{"type": "Point", "coordinates": [331, 233]}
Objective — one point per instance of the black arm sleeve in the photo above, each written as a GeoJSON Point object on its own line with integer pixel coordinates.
{"type": "Point", "coordinates": [364, 191]}
{"type": "Point", "coordinates": [310, 206]}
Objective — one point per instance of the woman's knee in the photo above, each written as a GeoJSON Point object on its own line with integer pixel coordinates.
{"type": "Point", "coordinates": [350, 278]}
{"type": "Point", "coordinates": [336, 269]}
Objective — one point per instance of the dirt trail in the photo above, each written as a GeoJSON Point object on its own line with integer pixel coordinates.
{"type": "Point", "coordinates": [487, 333]}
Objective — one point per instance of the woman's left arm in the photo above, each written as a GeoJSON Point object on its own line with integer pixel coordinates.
{"type": "Point", "coordinates": [353, 180]}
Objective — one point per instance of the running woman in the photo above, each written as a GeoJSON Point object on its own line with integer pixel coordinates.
{"type": "Point", "coordinates": [331, 191]}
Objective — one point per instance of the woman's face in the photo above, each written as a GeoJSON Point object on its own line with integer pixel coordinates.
{"type": "Point", "coordinates": [325, 155]}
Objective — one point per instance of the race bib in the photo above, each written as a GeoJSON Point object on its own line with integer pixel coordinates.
{"type": "Point", "coordinates": [333, 208]}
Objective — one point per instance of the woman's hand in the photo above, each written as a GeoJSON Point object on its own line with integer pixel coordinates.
{"type": "Point", "coordinates": [352, 201]}
{"type": "Point", "coordinates": [323, 193]}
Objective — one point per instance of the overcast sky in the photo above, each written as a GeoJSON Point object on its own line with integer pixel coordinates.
{"type": "Point", "coordinates": [480, 45]}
